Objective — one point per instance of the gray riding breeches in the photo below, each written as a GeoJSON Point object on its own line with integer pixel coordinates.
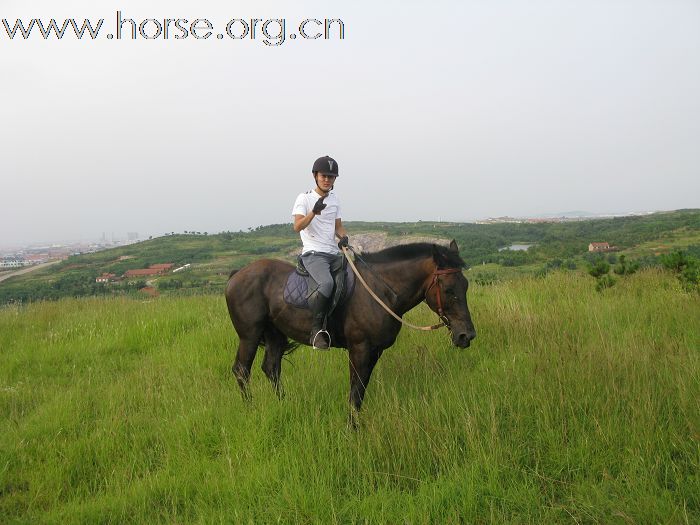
{"type": "Point", "coordinates": [320, 265]}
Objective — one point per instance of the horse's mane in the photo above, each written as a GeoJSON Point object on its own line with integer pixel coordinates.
{"type": "Point", "coordinates": [403, 252]}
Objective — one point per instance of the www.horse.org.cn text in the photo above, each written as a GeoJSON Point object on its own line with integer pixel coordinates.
{"type": "Point", "coordinates": [270, 31]}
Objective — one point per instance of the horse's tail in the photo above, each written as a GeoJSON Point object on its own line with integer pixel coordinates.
{"type": "Point", "coordinates": [275, 336]}
{"type": "Point", "coordinates": [290, 347]}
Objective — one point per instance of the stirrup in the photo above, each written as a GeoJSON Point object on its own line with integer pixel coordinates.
{"type": "Point", "coordinates": [313, 341]}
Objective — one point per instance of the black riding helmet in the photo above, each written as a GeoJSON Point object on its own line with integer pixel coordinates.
{"type": "Point", "coordinates": [325, 165]}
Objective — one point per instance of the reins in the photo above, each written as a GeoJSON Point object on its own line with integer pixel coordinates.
{"type": "Point", "coordinates": [444, 321]}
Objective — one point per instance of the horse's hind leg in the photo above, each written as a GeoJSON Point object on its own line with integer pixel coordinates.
{"type": "Point", "coordinates": [362, 360]}
{"type": "Point", "coordinates": [275, 342]}
{"type": "Point", "coordinates": [247, 349]}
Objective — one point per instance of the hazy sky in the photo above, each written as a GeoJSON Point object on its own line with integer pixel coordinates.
{"type": "Point", "coordinates": [451, 110]}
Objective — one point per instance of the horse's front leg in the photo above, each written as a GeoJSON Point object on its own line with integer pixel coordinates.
{"type": "Point", "coordinates": [362, 361]}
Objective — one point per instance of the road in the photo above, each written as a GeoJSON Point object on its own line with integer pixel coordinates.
{"type": "Point", "coordinates": [5, 276]}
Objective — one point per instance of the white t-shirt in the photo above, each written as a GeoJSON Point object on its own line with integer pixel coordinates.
{"type": "Point", "coordinates": [319, 235]}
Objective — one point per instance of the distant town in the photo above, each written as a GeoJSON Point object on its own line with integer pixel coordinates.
{"type": "Point", "coordinates": [34, 254]}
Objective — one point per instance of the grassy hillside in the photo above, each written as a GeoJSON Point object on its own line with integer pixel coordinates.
{"type": "Point", "coordinates": [212, 257]}
{"type": "Point", "coordinates": [570, 406]}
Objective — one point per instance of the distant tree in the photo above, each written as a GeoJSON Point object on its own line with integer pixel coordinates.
{"type": "Point", "coordinates": [599, 269]}
{"type": "Point", "coordinates": [624, 267]}
{"type": "Point", "coordinates": [676, 261]}
{"type": "Point", "coordinates": [554, 263]}
{"type": "Point", "coordinates": [603, 282]}
{"type": "Point", "coordinates": [685, 266]}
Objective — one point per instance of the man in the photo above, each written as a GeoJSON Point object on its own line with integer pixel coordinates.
{"type": "Point", "coordinates": [317, 218]}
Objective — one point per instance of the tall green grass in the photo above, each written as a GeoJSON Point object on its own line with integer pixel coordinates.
{"type": "Point", "coordinates": [570, 406]}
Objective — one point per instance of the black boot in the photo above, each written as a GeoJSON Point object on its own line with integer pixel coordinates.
{"type": "Point", "coordinates": [320, 338]}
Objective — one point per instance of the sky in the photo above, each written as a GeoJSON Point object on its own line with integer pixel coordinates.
{"type": "Point", "coordinates": [442, 110]}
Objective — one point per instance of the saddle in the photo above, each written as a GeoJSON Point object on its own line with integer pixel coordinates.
{"type": "Point", "coordinates": [300, 286]}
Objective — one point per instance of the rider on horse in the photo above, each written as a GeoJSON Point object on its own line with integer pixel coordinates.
{"type": "Point", "coordinates": [317, 218]}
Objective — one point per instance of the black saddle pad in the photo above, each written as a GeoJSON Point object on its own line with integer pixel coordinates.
{"type": "Point", "coordinates": [298, 288]}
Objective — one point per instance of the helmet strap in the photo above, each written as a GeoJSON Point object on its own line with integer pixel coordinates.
{"type": "Point", "coordinates": [319, 187]}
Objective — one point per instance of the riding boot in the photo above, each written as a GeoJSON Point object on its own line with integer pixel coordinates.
{"type": "Point", "coordinates": [320, 338]}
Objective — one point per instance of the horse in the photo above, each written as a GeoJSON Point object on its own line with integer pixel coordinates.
{"type": "Point", "coordinates": [401, 276]}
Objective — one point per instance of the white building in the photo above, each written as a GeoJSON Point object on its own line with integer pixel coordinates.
{"type": "Point", "coordinates": [13, 263]}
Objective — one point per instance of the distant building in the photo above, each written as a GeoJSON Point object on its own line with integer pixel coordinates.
{"type": "Point", "coordinates": [155, 269]}
{"type": "Point", "coordinates": [598, 247]}
{"type": "Point", "coordinates": [162, 266]}
{"type": "Point", "coordinates": [106, 278]}
{"type": "Point", "coordinates": [601, 247]}
{"type": "Point", "coordinates": [143, 272]}
{"type": "Point", "coordinates": [37, 258]}
{"type": "Point", "coordinates": [13, 263]}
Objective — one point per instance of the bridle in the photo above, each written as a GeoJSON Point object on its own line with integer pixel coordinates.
{"type": "Point", "coordinates": [444, 321]}
{"type": "Point", "coordinates": [436, 282]}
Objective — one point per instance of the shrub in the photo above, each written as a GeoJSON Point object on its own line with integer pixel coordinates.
{"type": "Point", "coordinates": [603, 282]}
{"type": "Point", "coordinates": [599, 269]}
{"type": "Point", "coordinates": [624, 267]}
{"type": "Point", "coordinates": [686, 267]}
{"type": "Point", "coordinates": [485, 278]}
{"type": "Point", "coordinates": [676, 261]}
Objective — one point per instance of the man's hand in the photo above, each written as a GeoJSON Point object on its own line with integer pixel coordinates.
{"type": "Point", "coordinates": [343, 241]}
{"type": "Point", "coordinates": [319, 206]}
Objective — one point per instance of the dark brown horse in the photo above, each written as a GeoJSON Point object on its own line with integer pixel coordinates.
{"type": "Point", "coordinates": [402, 276]}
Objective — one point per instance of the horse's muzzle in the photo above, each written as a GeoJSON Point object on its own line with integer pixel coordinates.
{"type": "Point", "coordinates": [463, 339]}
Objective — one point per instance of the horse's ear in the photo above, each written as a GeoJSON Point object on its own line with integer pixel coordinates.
{"type": "Point", "coordinates": [437, 256]}
{"type": "Point", "coordinates": [454, 247]}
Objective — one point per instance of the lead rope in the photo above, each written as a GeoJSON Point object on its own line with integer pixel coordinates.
{"type": "Point", "coordinates": [381, 303]}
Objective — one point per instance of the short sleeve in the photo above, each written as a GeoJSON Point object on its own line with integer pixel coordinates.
{"type": "Point", "coordinates": [300, 206]}
{"type": "Point", "coordinates": [338, 214]}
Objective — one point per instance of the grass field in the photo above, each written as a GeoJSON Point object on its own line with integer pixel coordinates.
{"type": "Point", "coordinates": [570, 406]}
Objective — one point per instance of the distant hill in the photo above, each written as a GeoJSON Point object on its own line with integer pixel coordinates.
{"type": "Point", "coordinates": [212, 257]}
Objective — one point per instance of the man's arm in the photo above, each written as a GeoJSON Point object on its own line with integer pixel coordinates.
{"type": "Point", "coordinates": [302, 221]}
{"type": "Point", "coordinates": [340, 230]}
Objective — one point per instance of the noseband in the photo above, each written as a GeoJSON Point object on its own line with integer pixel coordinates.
{"type": "Point", "coordinates": [436, 282]}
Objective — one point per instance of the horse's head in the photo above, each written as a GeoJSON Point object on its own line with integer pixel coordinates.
{"type": "Point", "coordinates": [447, 294]}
